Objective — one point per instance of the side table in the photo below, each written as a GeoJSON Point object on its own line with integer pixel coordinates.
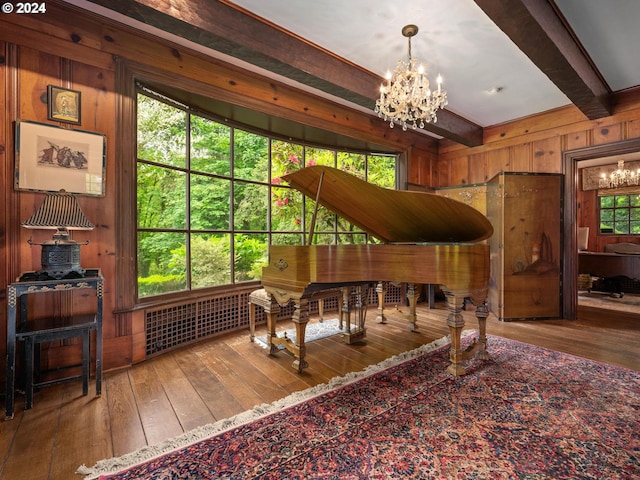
{"type": "Point", "coordinates": [30, 283]}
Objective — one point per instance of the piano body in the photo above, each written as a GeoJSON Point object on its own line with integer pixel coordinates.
{"type": "Point", "coordinates": [426, 239]}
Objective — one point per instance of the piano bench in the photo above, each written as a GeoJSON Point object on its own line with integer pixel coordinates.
{"type": "Point", "coordinates": [261, 298]}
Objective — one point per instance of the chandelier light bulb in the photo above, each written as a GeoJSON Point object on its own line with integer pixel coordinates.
{"type": "Point", "coordinates": [406, 97]}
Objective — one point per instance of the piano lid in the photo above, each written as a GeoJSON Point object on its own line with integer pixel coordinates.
{"type": "Point", "coordinates": [392, 216]}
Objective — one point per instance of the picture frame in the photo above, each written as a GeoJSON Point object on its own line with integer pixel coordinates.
{"type": "Point", "coordinates": [49, 158]}
{"type": "Point", "coordinates": [64, 105]}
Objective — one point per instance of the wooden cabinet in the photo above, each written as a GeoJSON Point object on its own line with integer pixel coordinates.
{"type": "Point", "coordinates": [526, 212]}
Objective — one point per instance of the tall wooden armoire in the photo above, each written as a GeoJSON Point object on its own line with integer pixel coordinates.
{"type": "Point", "coordinates": [526, 212]}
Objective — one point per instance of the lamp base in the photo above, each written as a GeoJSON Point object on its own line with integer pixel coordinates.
{"type": "Point", "coordinates": [60, 258]}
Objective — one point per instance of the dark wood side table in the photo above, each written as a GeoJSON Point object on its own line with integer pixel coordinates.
{"type": "Point", "coordinates": [30, 283]}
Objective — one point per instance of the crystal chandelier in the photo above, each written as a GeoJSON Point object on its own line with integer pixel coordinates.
{"type": "Point", "coordinates": [619, 178]}
{"type": "Point", "coordinates": [405, 97]}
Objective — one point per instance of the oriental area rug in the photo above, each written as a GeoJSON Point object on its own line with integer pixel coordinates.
{"type": "Point", "coordinates": [527, 413]}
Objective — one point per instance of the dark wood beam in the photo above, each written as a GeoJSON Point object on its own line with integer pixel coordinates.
{"type": "Point", "coordinates": [237, 33]}
{"type": "Point", "coordinates": [538, 30]}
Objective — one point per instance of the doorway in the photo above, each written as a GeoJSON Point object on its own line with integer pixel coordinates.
{"type": "Point", "coordinates": [571, 168]}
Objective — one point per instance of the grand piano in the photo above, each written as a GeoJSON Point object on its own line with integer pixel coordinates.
{"type": "Point", "coordinates": [425, 239]}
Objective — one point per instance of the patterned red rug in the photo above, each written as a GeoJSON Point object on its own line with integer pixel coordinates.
{"type": "Point", "coordinates": [528, 413]}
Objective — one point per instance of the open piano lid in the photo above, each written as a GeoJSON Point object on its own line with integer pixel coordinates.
{"type": "Point", "coordinates": [392, 216]}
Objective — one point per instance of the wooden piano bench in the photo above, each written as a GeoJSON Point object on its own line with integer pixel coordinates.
{"type": "Point", "coordinates": [262, 299]}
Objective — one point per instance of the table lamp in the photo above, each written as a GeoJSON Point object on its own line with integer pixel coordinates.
{"type": "Point", "coordinates": [61, 255]}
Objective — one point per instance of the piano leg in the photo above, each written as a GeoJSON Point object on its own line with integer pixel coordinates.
{"type": "Point", "coordinates": [271, 309]}
{"type": "Point", "coordinates": [350, 334]}
{"type": "Point", "coordinates": [455, 321]}
{"type": "Point", "coordinates": [345, 310]}
{"type": "Point", "coordinates": [300, 319]}
{"type": "Point", "coordinates": [412, 296]}
{"type": "Point", "coordinates": [381, 289]}
{"type": "Point", "coordinates": [482, 312]}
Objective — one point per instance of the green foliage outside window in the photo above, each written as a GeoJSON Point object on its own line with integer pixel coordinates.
{"type": "Point", "coordinates": [210, 198]}
{"type": "Point", "coordinates": [620, 214]}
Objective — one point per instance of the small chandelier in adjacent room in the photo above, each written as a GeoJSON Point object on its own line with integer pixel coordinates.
{"type": "Point", "coordinates": [406, 97]}
{"type": "Point", "coordinates": [619, 178]}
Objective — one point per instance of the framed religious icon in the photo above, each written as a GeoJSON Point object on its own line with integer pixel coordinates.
{"type": "Point", "coordinates": [64, 105]}
{"type": "Point", "coordinates": [50, 158]}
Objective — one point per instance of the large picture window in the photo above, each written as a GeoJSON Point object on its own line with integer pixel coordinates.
{"type": "Point", "coordinates": [620, 214]}
{"type": "Point", "coordinates": [210, 197]}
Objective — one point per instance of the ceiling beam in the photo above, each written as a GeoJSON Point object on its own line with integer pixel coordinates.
{"type": "Point", "coordinates": [237, 33]}
{"type": "Point", "coordinates": [537, 29]}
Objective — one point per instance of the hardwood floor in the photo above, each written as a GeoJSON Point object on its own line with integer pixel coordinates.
{"type": "Point", "coordinates": [215, 379]}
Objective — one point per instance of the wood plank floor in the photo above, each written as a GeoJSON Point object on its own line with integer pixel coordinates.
{"type": "Point", "coordinates": [168, 395]}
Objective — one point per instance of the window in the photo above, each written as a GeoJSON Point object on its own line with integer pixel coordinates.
{"type": "Point", "coordinates": [210, 198]}
{"type": "Point", "coordinates": [620, 214]}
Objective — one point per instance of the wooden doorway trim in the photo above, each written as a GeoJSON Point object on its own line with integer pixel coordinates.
{"type": "Point", "coordinates": [570, 160]}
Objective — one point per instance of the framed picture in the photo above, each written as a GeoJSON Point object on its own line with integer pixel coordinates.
{"type": "Point", "coordinates": [50, 158]}
{"type": "Point", "coordinates": [64, 104]}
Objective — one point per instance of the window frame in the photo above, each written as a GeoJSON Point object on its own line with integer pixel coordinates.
{"type": "Point", "coordinates": [628, 208]}
{"type": "Point", "coordinates": [336, 232]}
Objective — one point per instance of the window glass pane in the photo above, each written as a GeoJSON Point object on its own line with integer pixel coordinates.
{"type": "Point", "coordinates": [353, 239]}
{"type": "Point", "coordinates": [210, 146]}
{"type": "Point", "coordinates": [353, 163]}
{"type": "Point", "coordinates": [381, 171]}
{"type": "Point", "coordinates": [348, 232]}
{"type": "Point", "coordinates": [325, 220]}
{"type": "Point", "coordinates": [161, 266]}
{"type": "Point", "coordinates": [287, 239]}
{"type": "Point", "coordinates": [251, 254]}
{"type": "Point", "coordinates": [606, 215]}
{"type": "Point", "coordinates": [286, 210]}
{"type": "Point", "coordinates": [161, 197]}
{"type": "Point", "coordinates": [323, 239]}
{"type": "Point", "coordinates": [621, 228]}
{"type": "Point", "coordinates": [635, 200]}
{"type": "Point", "coordinates": [250, 206]}
{"type": "Point", "coordinates": [622, 201]}
{"type": "Point", "coordinates": [606, 202]}
{"type": "Point", "coordinates": [250, 156]}
{"type": "Point", "coordinates": [621, 215]}
{"type": "Point", "coordinates": [285, 158]}
{"type": "Point", "coordinates": [209, 203]}
{"type": "Point", "coordinates": [319, 156]}
{"type": "Point", "coordinates": [162, 133]}
{"type": "Point", "coordinates": [210, 260]}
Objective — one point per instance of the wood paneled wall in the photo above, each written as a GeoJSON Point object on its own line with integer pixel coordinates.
{"type": "Point", "coordinates": [78, 50]}
{"type": "Point", "coordinates": [536, 144]}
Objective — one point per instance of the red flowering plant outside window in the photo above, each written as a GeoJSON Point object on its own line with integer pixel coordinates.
{"type": "Point", "coordinates": [286, 203]}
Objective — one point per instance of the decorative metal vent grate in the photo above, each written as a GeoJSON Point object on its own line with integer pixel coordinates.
{"type": "Point", "coordinates": [177, 325]}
